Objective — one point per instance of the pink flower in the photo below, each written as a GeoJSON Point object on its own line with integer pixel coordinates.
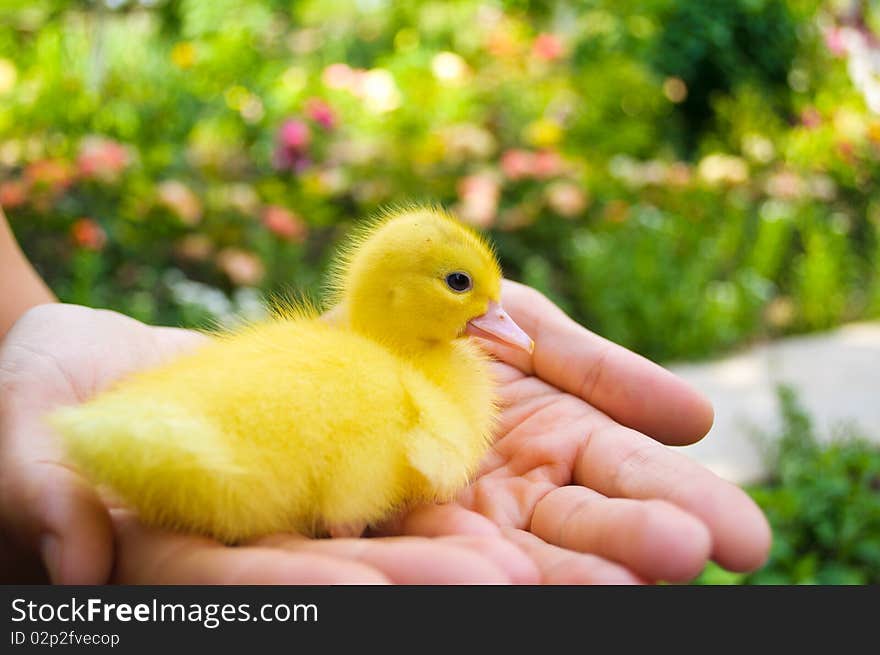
{"type": "Point", "coordinates": [834, 41]}
{"type": "Point", "coordinates": [321, 112]}
{"type": "Point", "coordinates": [548, 47]}
{"type": "Point", "coordinates": [785, 184]}
{"type": "Point", "coordinates": [101, 159]}
{"type": "Point", "coordinates": [284, 223]}
{"type": "Point", "coordinates": [811, 118]}
{"type": "Point", "coordinates": [290, 160]}
{"type": "Point", "coordinates": [88, 234]}
{"type": "Point", "coordinates": [181, 201]}
{"type": "Point", "coordinates": [517, 163]}
{"type": "Point", "coordinates": [339, 76]}
{"type": "Point", "coordinates": [294, 134]}
{"type": "Point", "coordinates": [243, 268]}
{"type": "Point", "coordinates": [292, 146]}
{"type": "Point", "coordinates": [479, 195]}
{"type": "Point", "coordinates": [566, 198]}
{"type": "Point", "coordinates": [547, 163]}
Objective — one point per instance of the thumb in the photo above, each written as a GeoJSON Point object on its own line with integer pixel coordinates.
{"type": "Point", "coordinates": [52, 512]}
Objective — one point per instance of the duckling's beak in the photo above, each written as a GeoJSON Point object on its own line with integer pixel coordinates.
{"type": "Point", "coordinates": [496, 325]}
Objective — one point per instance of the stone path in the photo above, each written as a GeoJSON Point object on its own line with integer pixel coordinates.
{"type": "Point", "coordinates": [836, 375]}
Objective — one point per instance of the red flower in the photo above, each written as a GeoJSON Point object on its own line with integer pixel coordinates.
{"type": "Point", "coordinates": [321, 112]}
{"type": "Point", "coordinates": [548, 47]}
{"type": "Point", "coordinates": [88, 234]}
{"type": "Point", "coordinates": [284, 224]}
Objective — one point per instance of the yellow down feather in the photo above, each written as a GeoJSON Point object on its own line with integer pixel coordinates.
{"type": "Point", "coordinates": [300, 422]}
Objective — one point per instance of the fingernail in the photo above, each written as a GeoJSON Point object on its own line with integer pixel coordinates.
{"type": "Point", "coordinates": [50, 549]}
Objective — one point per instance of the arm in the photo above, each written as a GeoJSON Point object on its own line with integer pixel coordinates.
{"type": "Point", "coordinates": [20, 286]}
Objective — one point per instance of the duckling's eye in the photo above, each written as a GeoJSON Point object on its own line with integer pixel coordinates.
{"type": "Point", "coordinates": [459, 282]}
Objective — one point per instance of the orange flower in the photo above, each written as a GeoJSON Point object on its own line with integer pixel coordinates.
{"type": "Point", "coordinates": [284, 223]}
{"type": "Point", "coordinates": [88, 234]}
{"type": "Point", "coordinates": [54, 175]}
{"type": "Point", "coordinates": [195, 247]}
{"type": "Point", "coordinates": [13, 193]}
{"type": "Point", "coordinates": [502, 43]}
{"type": "Point", "coordinates": [616, 211]}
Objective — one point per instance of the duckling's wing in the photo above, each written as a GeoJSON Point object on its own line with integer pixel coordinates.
{"type": "Point", "coordinates": [441, 445]}
{"type": "Point", "coordinates": [438, 461]}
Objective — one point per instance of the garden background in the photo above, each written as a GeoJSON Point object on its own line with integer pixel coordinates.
{"type": "Point", "coordinates": [685, 178]}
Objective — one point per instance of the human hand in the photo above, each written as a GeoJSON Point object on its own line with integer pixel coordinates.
{"type": "Point", "coordinates": [52, 517]}
{"type": "Point", "coordinates": [573, 465]}
{"type": "Point", "coordinates": [62, 355]}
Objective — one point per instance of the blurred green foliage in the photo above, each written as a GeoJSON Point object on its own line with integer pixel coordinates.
{"type": "Point", "coordinates": [823, 501]}
{"type": "Point", "coordinates": [681, 176]}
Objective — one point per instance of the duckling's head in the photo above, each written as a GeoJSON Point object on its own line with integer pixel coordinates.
{"type": "Point", "coordinates": [418, 278]}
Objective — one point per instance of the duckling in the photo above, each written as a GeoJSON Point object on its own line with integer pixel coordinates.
{"type": "Point", "coordinates": [317, 424]}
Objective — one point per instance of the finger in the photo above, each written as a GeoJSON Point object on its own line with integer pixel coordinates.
{"type": "Point", "coordinates": [50, 510]}
{"type": "Point", "coordinates": [620, 462]}
{"type": "Point", "coordinates": [414, 560]}
{"type": "Point", "coordinates": [564, 567]}
{"type": "Point", "coordinates": [520, 567]}
{"type": "Point", "coordinates": [148, 556]}
{"type": "Point", "coordinates": [469, 528]}
{"type": "Point", "coordinates": [629, 388]}
{"type": "Point", "coordinates": [439, 520]}
{"type": "Point", "coordinates": [651, 537]}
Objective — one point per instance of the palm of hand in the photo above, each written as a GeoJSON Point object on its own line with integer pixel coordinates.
{"type": "Point", "coordinates": [535, 513]}
{"type": "Point", "coordinates": [542, 484]}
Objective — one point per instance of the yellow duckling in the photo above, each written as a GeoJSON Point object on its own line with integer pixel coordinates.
{"type": "Point", "coordinates": [310, 424]}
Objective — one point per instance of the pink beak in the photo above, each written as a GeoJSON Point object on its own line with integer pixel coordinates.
{"type": "Point", "coordinates": [496, 325]}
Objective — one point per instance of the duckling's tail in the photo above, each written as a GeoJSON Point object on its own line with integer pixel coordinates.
{"type": "Point", "coordinates": [141, 446]}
